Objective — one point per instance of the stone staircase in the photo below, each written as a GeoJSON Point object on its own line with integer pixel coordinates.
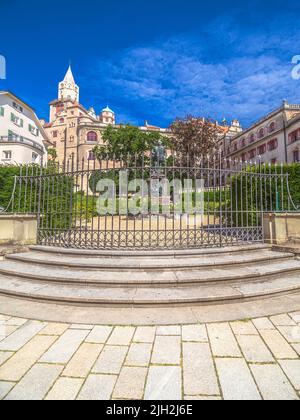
{"type": "Point", "coordinates": [149, 278]}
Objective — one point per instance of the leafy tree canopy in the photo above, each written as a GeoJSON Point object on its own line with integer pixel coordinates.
{"type": "Point", "coordinates": [194, 137]}
{"type": "Point", "coordinates": [128, 142]}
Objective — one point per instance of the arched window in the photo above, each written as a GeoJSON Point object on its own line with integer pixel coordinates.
{"type": "Point", "coordinates": [91, 155]}
{"type": "Point", "coordinates": [92, 137]}
{"type": "Point", "coordinates": [272, 127]}
{"type": "Point", "coordinates": [252, 138]}
{"type": "Point", "coordinates": [261, 133]}
{"type": "Point", "coordinates": [61, 120]}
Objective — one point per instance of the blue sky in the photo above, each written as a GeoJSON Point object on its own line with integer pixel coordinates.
{"type": "Point", "coordinates": [155, 60]}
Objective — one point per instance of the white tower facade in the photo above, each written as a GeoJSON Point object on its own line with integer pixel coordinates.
{"type": "Point", "coordinates": [68, 90]}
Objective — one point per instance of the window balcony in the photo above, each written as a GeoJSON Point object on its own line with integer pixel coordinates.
{"type": "Point", "coordinates": [294, 139]}
{"type": "Point", "coordinates": [21, 140]}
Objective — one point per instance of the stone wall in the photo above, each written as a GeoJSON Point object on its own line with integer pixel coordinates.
{"type": "Point", "coordinates": [18, 229]}
{"type": "Point", "coordinates": [281, 228]}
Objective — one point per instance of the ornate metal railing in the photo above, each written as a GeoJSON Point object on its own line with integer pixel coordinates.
{"type": "Point", "coordinates": [144, 203]}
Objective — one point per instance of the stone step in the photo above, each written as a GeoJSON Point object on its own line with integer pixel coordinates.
{"type": "Point", "coordinates": [143, 278]}
{"type": "Point", "coordinates": [260, 256]}
{"type": "Point", "coordinates": [153, 296]}
{"type": "Point", "coordinates": [136, 254]}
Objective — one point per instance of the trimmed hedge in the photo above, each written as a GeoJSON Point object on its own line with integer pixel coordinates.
{"type": "Point", "coordinates": [265, 189]}
{"type": "Point", "coordinates": [52, 194]}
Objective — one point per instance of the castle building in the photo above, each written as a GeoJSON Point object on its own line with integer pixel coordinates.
{"type": "Point", "coordinates": [273, 139]}
{"type": "Point", "coordinates": [74, 130]}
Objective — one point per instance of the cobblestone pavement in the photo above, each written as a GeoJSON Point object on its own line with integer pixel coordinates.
{"type": "Point", "coordinates": [251, 359]}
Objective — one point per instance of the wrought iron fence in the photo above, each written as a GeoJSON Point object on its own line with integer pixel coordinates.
{"type": "Point", "coordinates": [141, 202]}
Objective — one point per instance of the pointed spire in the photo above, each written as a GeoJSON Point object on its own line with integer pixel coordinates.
{"type": "Point", "coordinates": [69, 78]}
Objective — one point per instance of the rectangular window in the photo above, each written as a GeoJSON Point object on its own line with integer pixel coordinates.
{"type": "Point", "coordinates": [294, 136]}
{"type": "Point", "coordinates": [7, 154]}
{"type": "Point", "coordinates": [33, 130]}
{"type": "Point", "coordinates": [262, 149]}
{"type": "Point", "coordinates": [35, 157]}
{"type": "Point", "coordinates": [18, 107]}
{"type": "Point", "coordinates": [296, 156]}
{"type": "Point", "coordinates": [272, 145]}
{"type": "Point", "coordinates": [16, 120]}
{"type": "Point", "coordinates": [1, 111]}
{"type": "Point", "coordinates": [252, 153]}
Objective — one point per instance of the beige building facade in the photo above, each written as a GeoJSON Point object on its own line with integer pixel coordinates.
{"type": "Point", "coordinates": [273, 139]}
{"type": "Point", "coordinates": [22, 137]}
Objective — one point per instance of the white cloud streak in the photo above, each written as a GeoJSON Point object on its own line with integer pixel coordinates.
{"type": "Point", "coordinates": [187, 75]}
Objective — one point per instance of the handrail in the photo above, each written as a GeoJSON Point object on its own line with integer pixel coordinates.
{"type": "Point", "coordinates": [23, 140]}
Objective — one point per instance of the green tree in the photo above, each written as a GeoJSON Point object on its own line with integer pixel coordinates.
{"type": "Point", "coordinates": [193, 137]}
{"type": "Point", "coordinates": [128, 144]}
{"type": "Point", "coordinates": [52, 153]}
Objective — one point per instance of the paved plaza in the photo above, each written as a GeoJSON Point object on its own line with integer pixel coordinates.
{"type": "Point", "coordinates": [250, 359]}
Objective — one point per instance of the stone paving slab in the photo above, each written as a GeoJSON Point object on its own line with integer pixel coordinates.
{"type": "Point", "coordinates": [36, 383]}
{"type": "Point", "coordinates": [198, 370]}
{"type": "Point", "coordinates": [111, 360]}
{"type": "Point", "coordinates": [139, 355]}
{"type": "Point", "coordinates": [54, 329]}
{"type": "Point", "coordinates": [4, 356]}
{"type": "Point", "coordinates": [254, 349]}
{"type": "Point", "coordinates": [16, 367]}
{"type": "Point", "coordinates": [144, 335]}
{"type": "Point", "coordinates": [223, 341]}
{"type": "Point", "coordinates": [166, 351]}
{"type": "Point", "coordinates": [83, 360]}
{"type": "Point", "coordinates": [131, 383]}
{"type": "Point", "coordinates": [65, 347]}
{"type": "Point", "coordinates": [65, 389]}
{"type": "Point", "coordinates": [278, 345]}
{"type": "Point", "coordinates": [236, 380]}
{"type": "Point", "coordinates": [5, 387]}
{"type": "Point", "coordinates": [292, 370]}
{"type": "Point", "coordinates": [164, 383]}
{"type": "Point", "coordinates": [248, 359]}
{"type": "Point", "coordinates": [194, 333]}
{"type": "Point", "coordinates": [99, 335]}
{"type": "Point", "coordinates": [282, 320]}
{"type": "Point", "coordinates": [98, 387]}
{"type": "Point", "coordinates": [243, 328]}
{"type": "Point", "coordinates": [20, 337]}
{"type": "Point", "coordinates": [272, 383]}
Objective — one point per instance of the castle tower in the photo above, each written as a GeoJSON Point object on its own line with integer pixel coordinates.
{"type": "Point", "coordinates": [68, 90]}
{"type": "Point", "coordinates": [107, 116]}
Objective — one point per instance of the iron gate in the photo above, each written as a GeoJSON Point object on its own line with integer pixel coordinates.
{"type": "Point", "coordinates": [142, 203]}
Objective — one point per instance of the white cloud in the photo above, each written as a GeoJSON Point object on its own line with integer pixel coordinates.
{"type": "Point", "coordinates": [177, 76]}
